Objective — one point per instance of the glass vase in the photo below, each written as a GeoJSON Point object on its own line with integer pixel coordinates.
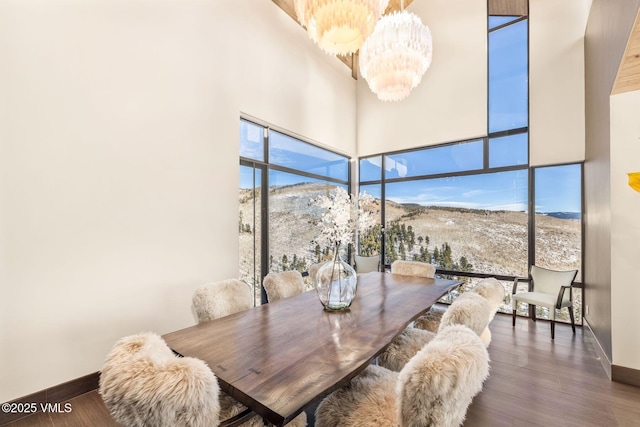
{"type": "Point", "coordinates": [336, 283]}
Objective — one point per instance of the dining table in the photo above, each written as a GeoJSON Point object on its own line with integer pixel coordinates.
{"type": "Point", "coordinates": [280, 357]}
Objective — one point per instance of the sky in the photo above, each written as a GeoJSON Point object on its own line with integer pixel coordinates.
{"type": "Point", "coordinates": [557, 189]}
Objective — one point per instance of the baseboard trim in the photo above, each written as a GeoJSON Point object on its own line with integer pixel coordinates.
{"type": "Point", "coordinates": [604, 359]}
{"type": "Point", "coordinates": [622, 374]}
{"type": "Point", "coordinates": [60, 393]}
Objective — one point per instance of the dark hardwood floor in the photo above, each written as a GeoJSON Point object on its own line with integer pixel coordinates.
{"type": "Point", "coordinates": [534, 381]}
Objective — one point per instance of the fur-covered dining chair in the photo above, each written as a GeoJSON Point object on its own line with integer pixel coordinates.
{"type": "Point", "coordinates": [143, 383]}
{"type": "Point", "coordinates": [413, 268]}
{"type": "Point", "coordinates": [493, 291]}
{"type": "Point", "coordinates": [404, 347]}
{"type": "Point", "coordinates": [214, 300]}
{"type": "Point", "coordinates": [489, 288]}
{"type": "Point", "coordinates": [469, 309]}
{"type": "Point", "coordinates": [283, 285]}
{"type": "Point", "coordinates": [430, 321]}
{"type": "Point", "coordinates": [434, 389]}
{"type": "Point", "coordinates": [313, 271]}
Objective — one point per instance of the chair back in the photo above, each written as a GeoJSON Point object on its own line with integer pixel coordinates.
{"type": "Point", "coordinates": [367, 264]}
{"type": "Point", "coordinates": [492, 290]}
{"type": "Point", "coordinates": [437, 385]}
{"type": "Point", "coordinates": [550, 281]}
{"type": "Point", "coordinates": [283, 285]}
{"type": "Point", "coordinates": [313, 272]}
{"type": "Point", "coordinates": [143, 383]}
{"type": "Point", "coordinates": [469, 309]}
{"type": "Point", "coordinates": [214, 300]}
{"type": "Point", "coordinates": [413, 268]}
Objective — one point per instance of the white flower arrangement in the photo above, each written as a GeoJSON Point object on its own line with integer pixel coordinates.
{"type": "Point", "coordinates": [343, 215]}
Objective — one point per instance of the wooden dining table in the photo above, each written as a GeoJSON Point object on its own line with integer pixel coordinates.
{"type": "Point", "coordinates": [278, 358]}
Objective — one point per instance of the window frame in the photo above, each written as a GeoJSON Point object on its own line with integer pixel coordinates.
{"type": "Point", "coordinates": [266, 167]}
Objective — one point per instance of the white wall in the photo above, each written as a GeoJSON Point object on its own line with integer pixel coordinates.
{"type": "Point", "coordinates": [118, 154]}
{"type": "Point", "coordinates": [625, 230]}
{"type": "Point", "coordinates": [556, 80]}
{"type": "Point", "coordinates": [450, 103]}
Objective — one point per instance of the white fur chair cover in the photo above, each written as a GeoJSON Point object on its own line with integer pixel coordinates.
{"type": "Point", "coordinates": [404, 347]}
{"type": "Point", "coordinates": [283, 285]}
{"type": "Point", "coordinates": [493, 291]}
{"type": "Point", "coordinates": [469, 309]}
{"type": "Point", "coordinates": [437, 385]}
{"type": "Point", "coordinates": [413, 268]}
{"type": "Point", "coordinates": [143, 384]}
{"type": "Point", "coordinates": [213, 300]}
{"type": "Point", "coordinates": [434, 389]}
{"type": "Point", "coordinates": [313, 272]}
{"type": "Point", "coordinates": [430, 321]}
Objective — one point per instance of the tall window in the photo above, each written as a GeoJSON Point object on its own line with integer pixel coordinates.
{"type": "Point", "coordinates": [274, 226]}
{"type": "Point", "coordinates": [475, 208]}
{"type": "Point", "coordinates": [443, 205]}
{"type": "Point", "coordinates": [558, 224]}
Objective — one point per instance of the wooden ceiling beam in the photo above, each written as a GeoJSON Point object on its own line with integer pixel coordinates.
{"type": "Point", "coordinates": [509, 7]}
{"type": "Point", "coordinates": [288, 7]}
{"type": "Point", "coordinates": [628, 77]}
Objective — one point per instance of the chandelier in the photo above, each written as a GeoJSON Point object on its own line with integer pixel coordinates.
{"type": "Point", "coordinates": [339, 27]}
{"type": "Point", "coordinates": [396, 55]}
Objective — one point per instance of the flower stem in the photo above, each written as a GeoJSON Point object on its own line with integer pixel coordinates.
{"type": "Point", "coordinates": [333, 268]}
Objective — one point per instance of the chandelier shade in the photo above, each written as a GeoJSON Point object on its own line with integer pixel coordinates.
{"type": "Point", "coordinates": [396, 55]}
{"type": "Point", "coordinates": [339, 27]}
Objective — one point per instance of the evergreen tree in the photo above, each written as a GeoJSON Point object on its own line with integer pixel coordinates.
{"type": "Point", "coordinates": [465, 265]}
{"type": "Point", "coordinates": [412, 238]}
